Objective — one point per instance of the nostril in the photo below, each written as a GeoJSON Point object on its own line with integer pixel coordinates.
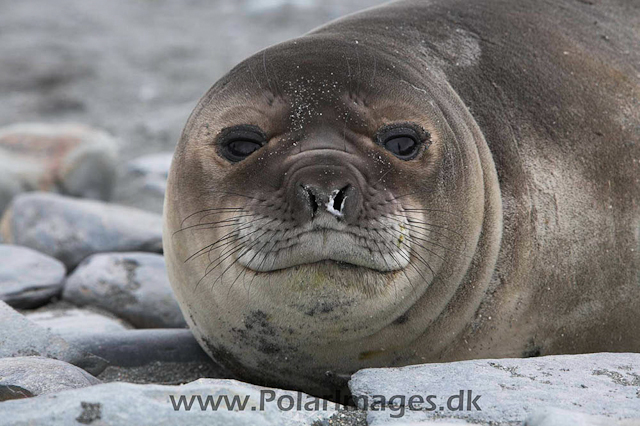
{"type": "Point", "coordinates": [313, 203]}
{"type": "Point", "coordinates": [339, 198]}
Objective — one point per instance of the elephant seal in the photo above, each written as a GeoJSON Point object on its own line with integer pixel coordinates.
{"type": "Point", "coordinates": [424, 181]}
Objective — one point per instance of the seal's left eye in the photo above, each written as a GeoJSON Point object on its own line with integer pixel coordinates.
{"type": "Point", "coordinates": [239, 142]}
{"type": "Point", "coordinates": [241, 149]}
{"type": "Point", "coordinates": [402, 139]}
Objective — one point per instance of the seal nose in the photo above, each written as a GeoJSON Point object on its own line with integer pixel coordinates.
{"type": "Point", "coordinates": [337, 200]}
{"type": "Point", "coordinates": [333, 202]}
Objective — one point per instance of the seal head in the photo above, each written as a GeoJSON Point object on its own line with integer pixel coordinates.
{"type": "Point", "coordinates": [326, 206]}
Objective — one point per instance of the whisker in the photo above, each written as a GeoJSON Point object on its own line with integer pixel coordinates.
{"type": "Point", "coordinates": [237, 194]}
{"type": "Point", "coordinates": [414, 238]}
{"type": "Point", "coordinates": [412, 253]}
{"type": "Point", "coordinates": [402, 269]}
{"type": "Point", "coordinates": [412, 209]}
{"type": "Point", "coordinates": [222, 259]}
{"type": "Point", "coordinates": [212, 209]}
{"type": "Point", "coordinates": [412, 223]}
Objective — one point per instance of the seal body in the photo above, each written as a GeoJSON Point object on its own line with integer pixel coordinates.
{"type": "Point", "coordinates": [425, 181]}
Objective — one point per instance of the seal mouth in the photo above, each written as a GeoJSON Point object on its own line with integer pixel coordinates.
{"type": "Point", "coordinates": [334, 264]}
{"type": "Point", "coordinates": [381, 249]}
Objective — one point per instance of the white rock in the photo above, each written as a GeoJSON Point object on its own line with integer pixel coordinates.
{"type": "Point", "coordinates": [557, 417]}
{"type": "Point", "coordinates": [128, 404]}
{"type": "Point", "coordinates": [606, 384]}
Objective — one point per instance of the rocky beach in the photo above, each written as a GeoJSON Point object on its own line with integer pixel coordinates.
{"type": "Point", "coordinates": [94, 97]}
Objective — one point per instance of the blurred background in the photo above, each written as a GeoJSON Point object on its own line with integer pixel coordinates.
{"type": "Point", "coordinates": [132, 68]}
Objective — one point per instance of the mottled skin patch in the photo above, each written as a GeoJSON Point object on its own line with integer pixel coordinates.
{"type": "Point", "coordinates": [532, 350]}
{"type": "Point", "coordinates": [521, 212]}
{"type": "Point", "coordinates": [402, 319]}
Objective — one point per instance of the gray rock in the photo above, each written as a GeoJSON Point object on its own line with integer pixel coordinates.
{"type": "Point", "coordinates": [29, 279]}
{"type": "Point", "coordinates": [146, 181]}
{"type": "Point", "coordinates": [163, 373]}
{"type": "Point", "coordinates": [168, 356]}
{"type": "Point", "coordinates": [21, 337]}
{"type": "Point", "coordinates": [152, 165]}
{"type": "Point", "coordinates": [73, 322]}
{"type": "Point", "coordinates": [70, 159]}
{"type": "Point", "coordinates": [133, 348]}
{"type": "Point", "coordinates": [22, 377]}
{"type": "Point", "coordinates": [444, 422]}
{"type": "Point", "coordinates": [508, 389]}
{"type": "Point", "coordinates": [557, 417]}
{"type": "Point", "coordinates": [127, 404]}
{"type": "Point", "coordinates": [134, 286]}
{"type": "Point", "coordinates": [71, 229]}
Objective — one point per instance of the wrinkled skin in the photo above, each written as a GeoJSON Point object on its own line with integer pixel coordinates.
{"type": "Point", "coordinates": [513, 232]}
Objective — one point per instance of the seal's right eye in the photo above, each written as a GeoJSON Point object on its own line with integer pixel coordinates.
{"type": "Point", "coordinates": [238, 142]}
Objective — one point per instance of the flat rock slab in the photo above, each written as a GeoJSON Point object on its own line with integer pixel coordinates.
{"type": "Point", "coordinates": [21, 337]}
{"type": "Point", "coordinates": [508, 390]}
{"type": "Point", "coordinates": [72, 322]}
{"type": "Point", "coordinates": [71, 229]}
{"type": "Point", "coordinates": [133, 286]}
{"type": "Point", "coordinates": [128, 404]}
{"type": "Point", "coordinates": [28, 278]}
{"type": "Point", "coordinates": [22, 377]}
{"type": "Point", "coordinates": [558, 417]}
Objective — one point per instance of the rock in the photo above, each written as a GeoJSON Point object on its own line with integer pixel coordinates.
{"type": "Point", "coordinates": [505, 390]}
{"type": "Point", "coordinates": [163, 373]}
{"type": "Point", "coordinates": [154, 168]}
{"type": "Point", "coordinates": [21, 337]}
{"type": "Point", "coordinates": [133, 348]}
{"type": "Point", "coordinates": [133, 286]}
{"type": "Point", "coordinates": [557, 417]}
{"type": "Point", "coordinates": [22, 377]}
{"type": "Point", "coordinates": [449, 422]}
{"type": "Point", "coordinates": [71, 322]}
{"type": "Point", "coordinates": [29, 279]}
{"type": "Point", "coordinates": [127, 404]}
{"type": "Point", "coordinates": [169, 356]}
{"type": "Point", "coordinates": [71, 229]}
{"type": "Point", "coordinates": [144, 181]}
{"type": "Point", "coordinates": [70, 159]}
{"type": "Point", "coordinates": [347, 416]}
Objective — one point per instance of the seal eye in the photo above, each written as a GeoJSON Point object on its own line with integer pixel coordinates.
{"type": "Point", "coordinates": [402, 139]}
{"type": "Point", "coordinates": [401, 146]}
{"type": "Point", "coordinates": [239, 142]}
{"type": "Point", "coordinates": [241, 149]}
